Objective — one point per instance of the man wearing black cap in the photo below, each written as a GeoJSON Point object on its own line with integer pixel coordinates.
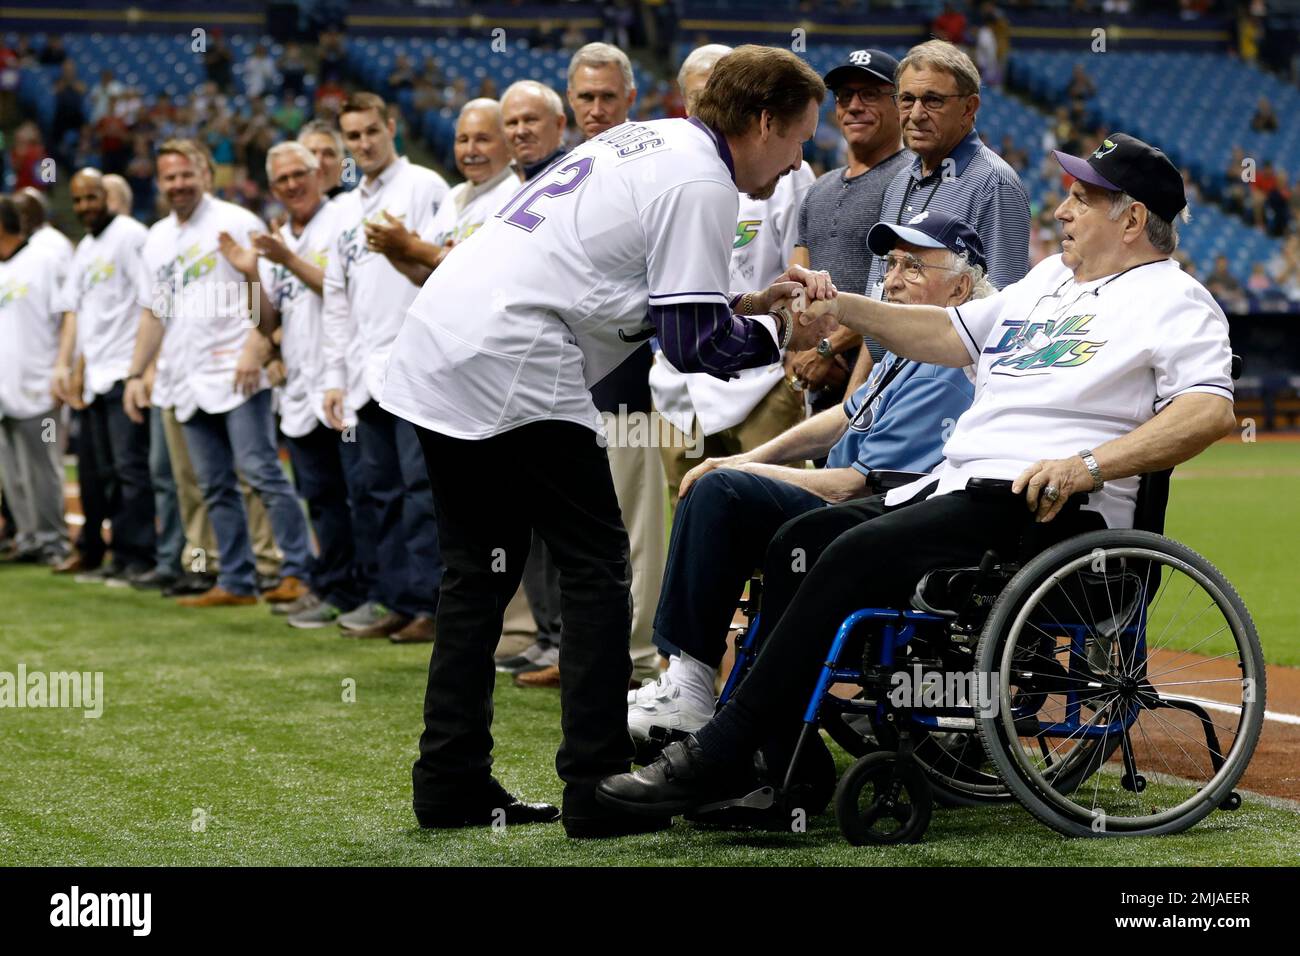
{"type": "Point", "coordinates": [842, 205]}
{"type": "Point", "coordinates": [1109, 347]}
{"type": "Point", "coordinates": [731, 507]}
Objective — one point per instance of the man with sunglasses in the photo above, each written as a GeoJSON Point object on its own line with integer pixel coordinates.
{"type": "Point", "coordinates": [732, 508]}
{"type": "Point", "coordinates": [937, 99]}
{"type": "Point", "coordinates": [842, 206]}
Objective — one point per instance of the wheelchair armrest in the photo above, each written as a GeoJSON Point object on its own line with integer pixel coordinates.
{"type": "Point", "coordinates": [879, 481]}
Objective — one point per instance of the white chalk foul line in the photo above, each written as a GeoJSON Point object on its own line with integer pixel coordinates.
{"type": "Point", "coordinates": [1278, 716]}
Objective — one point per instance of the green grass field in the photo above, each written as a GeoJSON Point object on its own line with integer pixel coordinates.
{"type": "Point", "coordinates": [225, 738]}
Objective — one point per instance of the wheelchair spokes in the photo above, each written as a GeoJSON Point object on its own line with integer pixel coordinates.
{"type": "Point", "coordinates": [1113, 717]}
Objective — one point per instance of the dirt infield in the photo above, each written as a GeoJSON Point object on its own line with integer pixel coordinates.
{"type": "Point", "coordinates": [1275, 768]}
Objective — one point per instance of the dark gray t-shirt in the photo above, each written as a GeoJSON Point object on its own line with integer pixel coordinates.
{"type": "Point", "coordinates": [834, 220]}
{"type": "Point", "coordinates": [838, 213]}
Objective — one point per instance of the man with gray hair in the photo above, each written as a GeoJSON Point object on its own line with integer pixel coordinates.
{"type": "Point", "coordinates": [953, 171]}
{"type": "Point", "coordinates": [533, 116]}
{"type": "Point", "coordinates": [326, 144]}
{"type": "Point", "coordinates": [601, 89]}
{"type": "Point", "coordinates": [483, 158]}
{"type": "Point", "coordinates": [287, 268]}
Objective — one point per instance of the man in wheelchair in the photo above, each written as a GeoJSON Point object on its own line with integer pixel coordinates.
{"type": "Point", "coordinates": [732, 507]}
{"type": "Point", "coordinates": [1104, 363]}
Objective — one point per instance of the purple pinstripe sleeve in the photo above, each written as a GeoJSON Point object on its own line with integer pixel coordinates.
{"type": "Point", "coordinates": [706, 337]}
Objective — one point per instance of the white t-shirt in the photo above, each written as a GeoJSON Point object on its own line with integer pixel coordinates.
{"type": "Point", "coordinates": [102, 289]}
{"type": "Point", "coordinates": [553, 293]}
{"type": "Point", "coordinates": [301, 398]}
{"type": "Point", "coordinates": [30, 319]}
{"type": "Point", "coordinates": [55, 244]}
{"type": "Point", "coordinates": [765, 235]}
{"type": "Point", "coordinates": [200, 297]}
{"type": "Point", "coordinates": [467, 207]}
{"type": "Point", "coordinates": [365, 297]}
{"type": "Point", "coordinates": [1064, 366]}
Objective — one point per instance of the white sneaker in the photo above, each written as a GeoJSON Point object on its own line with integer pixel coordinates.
{"type": "Point", "coordinates": [659, 703]}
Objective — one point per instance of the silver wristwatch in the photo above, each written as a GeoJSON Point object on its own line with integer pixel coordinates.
{"type": "Point", "coordinates": [824, 348]}
{"type": "Point", "coordinates": [1094, 469]}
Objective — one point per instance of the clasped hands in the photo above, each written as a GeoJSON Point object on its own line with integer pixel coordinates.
{"type": "Point", "coordinates": [807, 296]}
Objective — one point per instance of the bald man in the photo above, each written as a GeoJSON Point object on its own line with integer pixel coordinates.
{"type": "Point", "coordinates": [99, 297]}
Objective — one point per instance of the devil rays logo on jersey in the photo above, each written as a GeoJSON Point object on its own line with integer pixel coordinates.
{"type": "Point", "coordinates": [1043, 345]}
{"type": "Point", "coordinates": [746, 231]}
{"type": "Point", "coordinates": [11, 290]}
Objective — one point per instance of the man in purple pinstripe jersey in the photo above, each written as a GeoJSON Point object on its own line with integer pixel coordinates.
{"type": "Point", "coordinates": [629, 236]}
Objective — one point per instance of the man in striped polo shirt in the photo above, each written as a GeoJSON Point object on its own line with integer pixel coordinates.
{"type": "Point", "coordinates": [953, 172]}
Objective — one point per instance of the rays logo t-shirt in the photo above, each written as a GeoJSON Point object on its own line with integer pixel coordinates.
{"type": "Point", "coordinates": [1065, 365]}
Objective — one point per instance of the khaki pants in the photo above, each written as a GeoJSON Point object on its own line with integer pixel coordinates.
{"type": "Point", "coordinates": [781, 408]}
{"type": "Point", "coordinates": [639, 483]}
{"type": "Point", "coordinates": [200, 541]}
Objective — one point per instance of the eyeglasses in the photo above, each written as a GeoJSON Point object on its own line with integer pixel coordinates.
{"type": "Point", "coordinates": [913, 268]}
{"type": "Point", "coordinates": [930, 102]}
{"type": "Point", "coordinates": [870, 96]}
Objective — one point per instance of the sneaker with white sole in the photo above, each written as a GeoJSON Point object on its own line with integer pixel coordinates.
{"type": "Point", "coordinates": [307, 602]}
{"type": "Point", "coordinates": [363, 616]}
{"type": "Point", "coordinates": [548, 656]}
{"type": "Point", "coordinates": [528, 657]}
{"type": "Point", "coordinates": [321, 614]}
{"type": "Point", "coordinates": [659, 703]}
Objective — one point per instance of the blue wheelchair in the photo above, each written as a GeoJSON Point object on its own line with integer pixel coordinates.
{"type": "Point", "coordinates": [1113, 684]}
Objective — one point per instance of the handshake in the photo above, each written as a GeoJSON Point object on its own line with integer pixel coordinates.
{"type": "Point", "coordinates": [805, 298]}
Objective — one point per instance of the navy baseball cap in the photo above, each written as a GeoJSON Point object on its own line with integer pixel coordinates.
{"type": "Point", "coordinates": [1125, 164]}
{"type": "Point", "coordinates": [929, 230]}
{"type": "Point", "coordinates": [876, 63]}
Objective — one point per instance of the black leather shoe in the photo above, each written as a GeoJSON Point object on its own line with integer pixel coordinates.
{"type": "Point", "coordinates": [190, 584]}
{"type": "Point", "coordinates": [682, 779]}
{"type": "Point", "coordinates": [152, 580]}
{"type": "Point", "coordinates": [612, 823]}
{"type": "Point", "coordinates": [491, 807]}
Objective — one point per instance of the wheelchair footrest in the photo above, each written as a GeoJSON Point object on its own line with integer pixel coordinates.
{"type": "Point", "coordinates": [761, 799]}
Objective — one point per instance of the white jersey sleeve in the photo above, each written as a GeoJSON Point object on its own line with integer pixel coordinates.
{"type": "Point", "coordinates": [785, 220]}
{"type": "Point", "coordinates": [688, 236]}
{"type": "Point", "coordinates": [1191, 351]}
{"type": "Point", "coordinates": [337, 328]}
{"type": "Point", "coordinates": [975, 321]}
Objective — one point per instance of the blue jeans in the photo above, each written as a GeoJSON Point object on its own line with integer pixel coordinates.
{"type": "Point", "coordinates": [243, 439]}
{"type": "Point", "coordinates": [396, 488]}
{"type": "Point", "coordinates": [171, 535]}
{"type": "Point", "coordinates": [319, 471]}
{"type": "Point", "coordinates": [720, 536]}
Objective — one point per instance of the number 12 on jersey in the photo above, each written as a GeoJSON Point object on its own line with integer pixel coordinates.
{"type": "Point", "coordinates": [517, 211]}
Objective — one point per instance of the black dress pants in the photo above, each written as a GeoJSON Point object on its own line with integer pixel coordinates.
{"type": "Point", "coordinates": [493, 493]}
{"type": "Point", "coordinates": [824, 565]}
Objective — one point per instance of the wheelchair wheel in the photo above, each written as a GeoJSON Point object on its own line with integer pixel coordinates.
{"type": "Point", "coordinates": [1128, 686]}
{"type": "Point", "coordinates": [960, 773]}
{"type": "Point", "coordinates": [881, 799]}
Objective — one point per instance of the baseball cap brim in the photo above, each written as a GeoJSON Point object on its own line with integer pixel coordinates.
{"type": "Point", "coordinates": [1082, 170]}
{"type": "Point", "coordinates": [842, 74]}
{"type": "Point", "coordinates": [884, 236]}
